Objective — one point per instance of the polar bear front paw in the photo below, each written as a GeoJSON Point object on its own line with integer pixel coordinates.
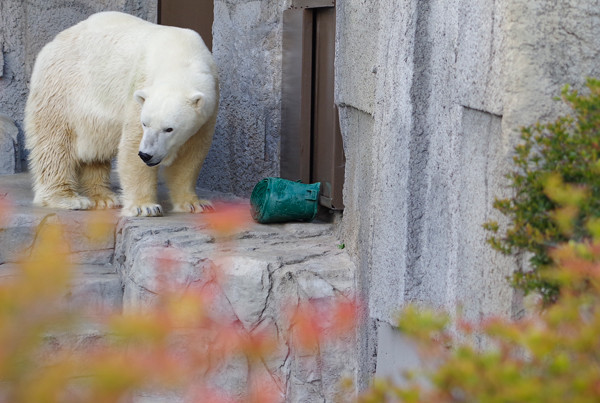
{"type": "Point", "coordinates": [193, 206]}
{"type": "Point", "coordinates": [143, 210]}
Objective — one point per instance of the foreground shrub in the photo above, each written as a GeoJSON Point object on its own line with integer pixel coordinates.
{"type": "Point", "coordinates": [568, 151]}
{"type": "Point", "coordinates": [550, 357]}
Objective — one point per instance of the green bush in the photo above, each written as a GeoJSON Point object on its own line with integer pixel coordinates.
{"type": "Point", "coordinates": [556, 167]}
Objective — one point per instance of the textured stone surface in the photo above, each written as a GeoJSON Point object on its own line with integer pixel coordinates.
{"type": "Point", "coordinates": [246, 143]}
{"type": "Point", "coordinates": [264, 270]}
{"type": "Point", "coordinates": [478, 82]}
{"type": "Point", "coordinates": [547, 46]}
{"type": "Point", "coordinates": [422, 170]}
{"type": "Point", "coordinates": [26, 26]}
{"type": "Point", "coordinates": [356, 53]}
{"type": "Point", "coordinates": [96, 289]}
{"type": "Point", "coordinates": [93, 290]}
{"type": "Point", "coordinates": [246, 285]}
{"type": "Point", "coordinates": [396, 353]}
{"type": "Point", "coordinates": [252, 279]}
{"type": "Point", "coordinates": [8, 144]}
{"type": "Point", "coordinates": [19, 234]}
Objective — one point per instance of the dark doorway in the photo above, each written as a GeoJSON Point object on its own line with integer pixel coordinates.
{"type": "Point", "coordinates": [194, 14]}
{"type": "Point", "coordinates": [311, 142]}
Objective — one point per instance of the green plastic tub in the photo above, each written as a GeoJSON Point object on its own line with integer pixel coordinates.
{"type": "Point", "coordinates": [280, 200]}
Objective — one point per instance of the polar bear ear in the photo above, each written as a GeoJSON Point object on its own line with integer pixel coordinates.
{"type": "Point", "coordinates": [198, 100]}
{"type": "Point", "coordinates": [140, 96]}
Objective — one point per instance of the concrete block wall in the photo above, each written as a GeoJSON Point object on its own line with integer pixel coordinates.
{"type": "Point", "coordinates": [247, 48]}
{"type": "Point", "coordinates": [26, 26]}
{"type": "Point", "coordinates": [431, 94]}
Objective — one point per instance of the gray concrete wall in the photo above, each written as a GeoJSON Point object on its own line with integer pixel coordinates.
{"type": "Point", "coordinates": [431, 93]}
{"type": "Point", "coordinates": [247, 49]}
{"type": "Point", "coordinates": [27, 25]}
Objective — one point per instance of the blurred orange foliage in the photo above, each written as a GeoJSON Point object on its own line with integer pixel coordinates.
{"type": "Point", "coordinates": [227, 219]}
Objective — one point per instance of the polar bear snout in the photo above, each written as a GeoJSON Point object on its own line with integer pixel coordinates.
{"type": "Point", "coordinates": [147, 158]}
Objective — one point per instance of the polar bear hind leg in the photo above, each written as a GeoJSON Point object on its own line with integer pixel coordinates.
{"type": "Point", "coordinates": [54, 172]}
{"type": "Point", "coordinates": [94, 181]}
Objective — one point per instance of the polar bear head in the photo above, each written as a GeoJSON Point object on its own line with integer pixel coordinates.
{"type": "Point", "coordinates": [169, 118]}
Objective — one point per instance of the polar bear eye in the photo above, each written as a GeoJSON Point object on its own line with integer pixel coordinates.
{"type": "Point", "coordinates": [144, 124]}
{"type": "Point", "coordinates": [169, 130]}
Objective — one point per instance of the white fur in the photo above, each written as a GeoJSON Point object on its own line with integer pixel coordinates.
{"type": "Point", "coordinates": [93, 86]}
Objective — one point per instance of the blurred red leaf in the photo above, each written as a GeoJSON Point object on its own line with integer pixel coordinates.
{"type": "Point", "coordinates": [345, 315]}
{"type": "Point", "coordinates": [307, 325]}
{"type": "Point", "coordinates": [264, 390]}
{"type": "Point", "coordinates": [228, 219]}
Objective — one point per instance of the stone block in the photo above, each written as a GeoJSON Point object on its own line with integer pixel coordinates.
{"type": "Point", "coordinates": [8, 145]}
{"type": "Point", "coordinates": [479, 81]}
{"type": "Point", "coordinates": [397, 353]}
{"type": "Point", "coordinates": [84, 246]}
{"type": "Point", "coordinates": [93, 290]}
{"type": "Point", "coordinates": [18, 235]}
{"type": "Point", "coordinates": [254, 280]}
{"type": "Point", "coordinates": [478, 282]}
{"type": "Point", "coordinates": [96, 290]}
{"type": "Point", "coordinates": [356, 62]}
{"type": "Point", "coordinates": [156, 270]}
{"type": "Point", "coordinates": [246, 283]}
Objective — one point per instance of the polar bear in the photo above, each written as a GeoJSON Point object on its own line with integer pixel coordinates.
{"type": "Point", "coordinates": [116, 85]}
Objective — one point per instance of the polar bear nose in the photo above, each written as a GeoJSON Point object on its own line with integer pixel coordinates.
{"type": "Point", "coordinates": [145, 157]}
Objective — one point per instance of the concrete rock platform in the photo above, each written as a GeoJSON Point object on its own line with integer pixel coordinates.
{"type": "Point", "coordinates": [263, 268]}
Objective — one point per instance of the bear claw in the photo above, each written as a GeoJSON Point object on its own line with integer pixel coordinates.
{"type": "Point", "coordinates": [146, 210]}
{"type": "Point", "coordinates": [198, 206]}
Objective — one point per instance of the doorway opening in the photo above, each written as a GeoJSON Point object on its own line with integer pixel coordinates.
{"type": "Point", "coordinates": [193, 14]}
{"type": "Point", "coordinates": [311, 141]}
